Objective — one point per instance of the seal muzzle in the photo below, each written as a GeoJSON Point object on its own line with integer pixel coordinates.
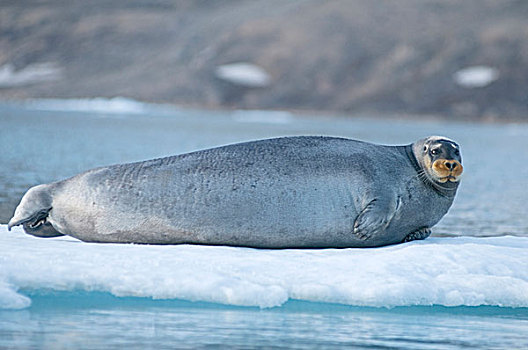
{"type": "Point", "coordinates": [447, 170]}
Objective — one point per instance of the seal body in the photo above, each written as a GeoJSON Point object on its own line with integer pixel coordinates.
{"type": "Point", "coordinates": [292, 192]}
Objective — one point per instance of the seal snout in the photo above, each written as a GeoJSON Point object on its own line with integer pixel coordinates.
{"type": "Point", "coordinates": [447, 170]}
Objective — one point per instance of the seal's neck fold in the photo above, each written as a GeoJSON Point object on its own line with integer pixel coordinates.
{"type": "Point", "coordinates": [410, 154]}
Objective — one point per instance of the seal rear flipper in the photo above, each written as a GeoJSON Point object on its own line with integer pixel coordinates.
{"type": "Point", "coordinates": [45, 230]}
{"type": "Point", "coordinates": [33, 212]}
{"type": "Point", "coordinates": [37, 225]}
{"type": "Point", "coordinates": [375, 217]}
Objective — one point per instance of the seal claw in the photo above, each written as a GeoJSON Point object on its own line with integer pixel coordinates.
{"type": "Point", "coordinates": [419, 234]}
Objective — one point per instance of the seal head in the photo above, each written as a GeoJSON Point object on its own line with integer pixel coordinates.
{"type": "Point", "coordinates": [439, 163]}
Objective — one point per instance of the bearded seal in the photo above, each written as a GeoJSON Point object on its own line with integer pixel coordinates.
{"type": "Point", "coordinates": [290, 192]}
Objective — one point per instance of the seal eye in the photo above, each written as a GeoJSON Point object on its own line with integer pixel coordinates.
{"type": "Point", "coordinates": [434, 152]}
{"type": "Point", "coordinates": [457, 152]}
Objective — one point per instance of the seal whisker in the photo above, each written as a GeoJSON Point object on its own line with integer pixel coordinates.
{"type": "Point", "coordinates": [423, 176]}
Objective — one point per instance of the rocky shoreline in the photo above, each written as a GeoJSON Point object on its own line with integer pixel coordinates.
{"type": "Point", "coordinates": [451, 59]}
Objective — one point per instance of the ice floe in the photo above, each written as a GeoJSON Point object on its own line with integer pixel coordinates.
{"type": "Point", "coordinates": [116, 105]}
{"type": "Point", "coordinates": [437, 271]}
{"type": "Point", "coordinates": [262, 116]}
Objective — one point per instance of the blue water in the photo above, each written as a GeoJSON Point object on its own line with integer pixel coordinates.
{"type": "Point", "coordinates": [39, 145]}
{"type": "Point", "coordinates": [101, 321]}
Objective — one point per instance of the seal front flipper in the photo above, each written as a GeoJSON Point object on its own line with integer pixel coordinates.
{"type": "Point", "coordinates": [375, 217]}
{"type": "Point", "coordinates": [419, 234]}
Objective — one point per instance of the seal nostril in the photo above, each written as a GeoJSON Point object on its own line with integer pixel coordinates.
{"type": "Point", "coordinates": [450, 165]}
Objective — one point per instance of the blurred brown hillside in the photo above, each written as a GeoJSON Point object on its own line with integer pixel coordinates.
{"type": "Point", "coordinates": [352, 56]}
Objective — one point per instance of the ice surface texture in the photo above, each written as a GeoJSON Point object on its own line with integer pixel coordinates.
{"type": "Point", "coordinates": [440, 271]}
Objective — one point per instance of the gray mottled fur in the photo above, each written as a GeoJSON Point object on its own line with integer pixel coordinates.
{"type": "Point", "coordinates": [298, 192]}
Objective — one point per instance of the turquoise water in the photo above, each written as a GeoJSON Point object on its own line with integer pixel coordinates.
{"type": "Point", "coordinates": [101, 321]}
{"type": "Point", "coordinates": [42, 144]}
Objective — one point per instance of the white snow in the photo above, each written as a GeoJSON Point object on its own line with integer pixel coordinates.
{"type": "Point", "coordinates": [440, 271]}
{"type": "Point", "coordinates": [244, 74]}
{"type": "Point", "coordinates": [476, 76]}
{"type": "Point", "coordinates": [116, 105]}
{"type": "Point", "coordinates": [31, 74]}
